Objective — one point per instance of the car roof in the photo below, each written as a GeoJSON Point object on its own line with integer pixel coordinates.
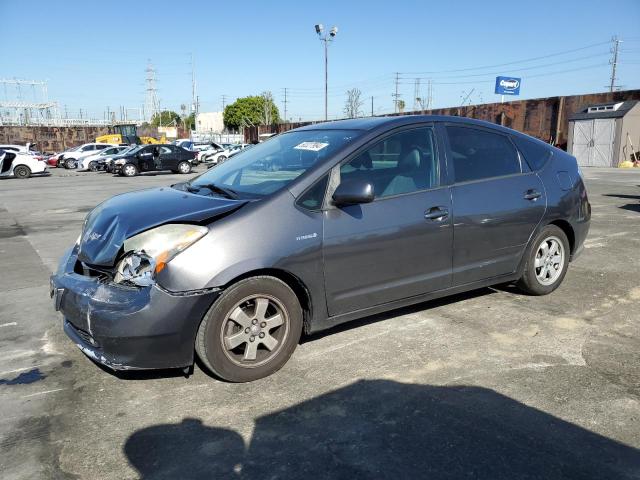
{"type": "Point", "coordinates": [373, 123]}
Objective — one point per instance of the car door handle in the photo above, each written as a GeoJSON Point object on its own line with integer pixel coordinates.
{"type": "Point", "coordinates": [532, 194]}
{"type": "Point", "coordinates": [436, 213]}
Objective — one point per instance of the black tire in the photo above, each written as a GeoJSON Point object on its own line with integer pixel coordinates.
{"type": "Point", "coordinates": [70, 163]}
{"type": "Point", "coordinates": [184, 169]}
{"type": "Point", "coordinates": [221, 159]}
{"type": "Point", "coordinates": [530, 282]}
{"type": "Point", "coordinates": [209, 340]}
{"type": "Point", "coordinates": [129, 170]}
{"type": "Point", "coordinates": [93, 166]}
{"type": "Point", "coordinates": [22, 171]}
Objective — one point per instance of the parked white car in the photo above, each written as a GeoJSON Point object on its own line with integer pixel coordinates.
{"type": "Point", "coordinates": [71, 158]}
{"type": "Point", "coordinates": [20, 164]}
{"type": "Point", "coordinates": [92, 162]}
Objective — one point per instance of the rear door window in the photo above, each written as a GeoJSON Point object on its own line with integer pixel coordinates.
{"type": "Point", "coordinates": [535, 153]}
{"type": "Point", "coordinates": [479, 154]}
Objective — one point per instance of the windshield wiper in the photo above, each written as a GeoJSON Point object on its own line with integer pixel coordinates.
{"type": "Point", "coordinates": [227, 192]}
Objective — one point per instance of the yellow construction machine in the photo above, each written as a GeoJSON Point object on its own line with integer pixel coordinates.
{"type": "Point", "coordinates": [127, 133]}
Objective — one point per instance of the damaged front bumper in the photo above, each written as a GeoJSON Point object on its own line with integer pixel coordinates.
{"type": "Point", "coordinates": [126, 328]}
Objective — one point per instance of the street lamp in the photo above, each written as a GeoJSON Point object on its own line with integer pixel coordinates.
{"type": "Point", "coordinates": [326, 38]}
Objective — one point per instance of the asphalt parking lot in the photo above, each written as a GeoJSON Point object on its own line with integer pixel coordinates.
{"type": "Point", "coordinates": [490, 384]}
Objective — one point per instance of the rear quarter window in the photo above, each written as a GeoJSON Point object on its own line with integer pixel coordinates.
{"type": "Point", "coordinates": [535, 154]}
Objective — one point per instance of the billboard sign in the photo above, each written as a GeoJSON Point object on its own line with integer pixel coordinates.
{"type": "Point", "coordinates": [508, 85]}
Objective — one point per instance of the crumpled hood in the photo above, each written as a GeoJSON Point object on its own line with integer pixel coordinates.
{"type": "Point", "coordinates": [113, 221]}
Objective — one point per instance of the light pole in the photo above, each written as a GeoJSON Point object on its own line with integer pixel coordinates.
{"type": "Point", "coordinates": [326, 38]}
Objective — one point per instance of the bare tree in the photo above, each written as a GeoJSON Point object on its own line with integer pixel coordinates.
{"type": "Point", "coordinates": [353, 104]}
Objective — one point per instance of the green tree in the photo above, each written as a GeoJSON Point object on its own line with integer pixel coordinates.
{"type": "Point", "coordinates": [165, 118]}
{"type": "Point", "coordinates": [401, 106]}
{"type": "Point", "coordinates": [254, 110]}
{"type": "Point", "coordinates": [190, 121]}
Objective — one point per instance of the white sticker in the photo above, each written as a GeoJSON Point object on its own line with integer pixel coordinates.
{"type": "Point", "coordinates": [311, 146]}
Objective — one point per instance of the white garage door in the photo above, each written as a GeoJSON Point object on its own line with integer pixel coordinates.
{"type": "Point", "coordinates": [593, 142]}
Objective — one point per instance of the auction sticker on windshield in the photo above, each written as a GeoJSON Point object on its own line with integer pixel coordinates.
{"type": "Point", "coordinates": [311, 146]}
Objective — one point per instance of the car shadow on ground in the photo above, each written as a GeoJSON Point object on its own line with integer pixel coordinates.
{"type": "Point", "coordinates": [384, 429]}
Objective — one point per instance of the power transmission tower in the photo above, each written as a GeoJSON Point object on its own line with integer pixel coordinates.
{"type": "Point", "coordinates": [429, 95]}
{"type": "Point", "coordinates": [224, 99]}
{"type": "Point", "coordinates": [396, 95]}
{"type": "Point", "coordinates": [614, 63]}
{"type": "Point", "coordinates": [285, 105]}
{"type": "Point", "coordinates": [152, 105]}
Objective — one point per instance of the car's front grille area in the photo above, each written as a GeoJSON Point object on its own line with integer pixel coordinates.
{"type": "Point", "coordinates": [82, 268]}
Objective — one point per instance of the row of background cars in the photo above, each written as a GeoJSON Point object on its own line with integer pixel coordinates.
{"type": "Point", "coordinates": [130, 160]}
{"type": "Point", "coordinates": [179, 156]}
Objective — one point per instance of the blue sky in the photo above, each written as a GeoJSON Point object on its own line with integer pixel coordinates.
{"type": "Point", "coordinates": [94, 54]}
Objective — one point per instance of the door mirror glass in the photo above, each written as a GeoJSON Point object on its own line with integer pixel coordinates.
{"type": "Point", "coordinates": [353, 192]}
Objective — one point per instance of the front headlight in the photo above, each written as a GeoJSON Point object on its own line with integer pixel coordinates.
{"type": "Point", "coordinates": [147, 253]}
{"type": "Point", "coordinates": [120, 162]}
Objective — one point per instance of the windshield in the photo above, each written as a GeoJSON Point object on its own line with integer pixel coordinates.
{"type": "Point", "coordinates": [132, 149]}
{"type": "Point", "coordinates": [274, 164]}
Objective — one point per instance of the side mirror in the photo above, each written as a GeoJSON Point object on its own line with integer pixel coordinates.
{"type": "Point", "coordinates": [353, 192]}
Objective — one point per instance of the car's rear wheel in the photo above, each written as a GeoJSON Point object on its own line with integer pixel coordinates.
{"type": "Point", "coordinates": [251, 330]}
{"type": "Point", "coordinates": [546, 263]}
{"type": "Point", "coordinates": [129, 170]}
{"type": "Point", "coordinates": [184, 167]}
{"type": "Point", "coordinates": [22, 171]}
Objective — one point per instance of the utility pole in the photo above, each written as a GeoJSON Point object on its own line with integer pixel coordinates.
{"type": "Point", "coordinates": [194, 99]}
{"type": "Point", "coordinates": [224, 98]}
{"type": "Point", "coordinates": [285, 105]}
{"type": "Point", "coordinates": [372, 105]}
{"type": "Point", "coordinates": [614, 63]}
{"type": "Point", "coordinates": [416, 94]}
{"type": "Point", "coordinates": [396, 95]}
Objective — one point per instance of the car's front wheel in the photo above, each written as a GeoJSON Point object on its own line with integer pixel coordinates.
{"type": "Point", "coordinates": [93, 166]}
{"type": "Point", "coordinates": [70, 163]}
{"type": "Point", "coordinates": [546, 262]}
{"type": "Point", "coordinates": [251, 330]}
{"type": "Point", "coordinates": [221, 159]}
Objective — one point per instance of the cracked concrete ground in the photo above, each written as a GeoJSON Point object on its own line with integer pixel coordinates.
{"type": "Point", "coordinates": [489, 384]}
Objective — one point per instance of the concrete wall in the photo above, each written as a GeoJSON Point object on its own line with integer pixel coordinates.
{"type": "Point", "coordinates": [50, 139]}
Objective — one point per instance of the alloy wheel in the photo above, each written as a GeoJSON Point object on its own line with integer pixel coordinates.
{"type": "Point", "coordinates": [254, 330]}
{"type": "Point", "coordinates": [549, 261]}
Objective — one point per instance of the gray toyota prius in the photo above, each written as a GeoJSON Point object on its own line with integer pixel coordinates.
{"type": "Point", "coordinates": [312, 228]}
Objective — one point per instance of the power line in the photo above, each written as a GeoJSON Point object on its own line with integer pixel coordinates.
{"type": "Point", "coordinates": [514, 62]}
{"type": "Point", "coordinates": [520, 69]}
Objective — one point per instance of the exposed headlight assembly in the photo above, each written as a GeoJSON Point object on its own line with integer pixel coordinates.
{"type": "Point", "coordinates": [122, 161]}
{"type": "Point", "coordinates": [147, 253]}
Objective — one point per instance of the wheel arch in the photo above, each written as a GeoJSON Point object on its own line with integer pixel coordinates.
{"type": "Point", "coordinates": [292, 281]}
{"type": "Point", "coordinates": [568, 231]}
